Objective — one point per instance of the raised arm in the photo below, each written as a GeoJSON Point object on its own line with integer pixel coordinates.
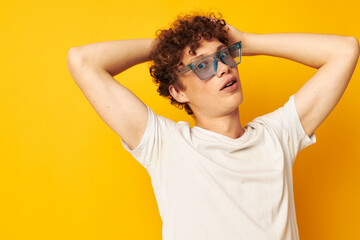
{"type": "Point", "coordinates": [93, 66]}
{"type": "Point", "coordinates": [334, 56]}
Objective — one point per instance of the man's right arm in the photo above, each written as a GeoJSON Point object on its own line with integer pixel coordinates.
{"type": "Point", "coordinates": [93, 66]}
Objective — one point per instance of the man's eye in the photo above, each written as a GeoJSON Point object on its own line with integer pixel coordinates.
{"type": "Point", "coordinates": [201, 65]}
{"type": "Point", "coordinates": [223, 55]}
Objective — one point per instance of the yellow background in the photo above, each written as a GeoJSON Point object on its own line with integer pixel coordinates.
{"type": "Point", "coordinates": [63, 171]}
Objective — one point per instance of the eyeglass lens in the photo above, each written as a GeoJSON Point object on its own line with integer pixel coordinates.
{"type": "Point", "coordinates": [206, 68]}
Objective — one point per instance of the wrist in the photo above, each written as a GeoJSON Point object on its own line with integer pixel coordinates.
{"type": "Point", "coordinates": [246, 44]}
{"type": "Point", "coordinates": [235, 35]}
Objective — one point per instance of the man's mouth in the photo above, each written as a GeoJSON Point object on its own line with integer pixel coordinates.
{"type": "Point", "coordinates": [229, 84]}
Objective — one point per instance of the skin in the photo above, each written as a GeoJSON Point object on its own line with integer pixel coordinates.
{"type": "Point", "coordinates": [93, 67]}
{"type": "Point", "coordinates": [214, 110]}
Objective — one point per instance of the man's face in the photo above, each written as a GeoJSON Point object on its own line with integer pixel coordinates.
{"type": "Point", "coordinates": [208, 97]}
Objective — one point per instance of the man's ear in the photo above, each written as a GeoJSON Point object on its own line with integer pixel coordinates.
{"type": "Point", "coordinates": [178, 94]}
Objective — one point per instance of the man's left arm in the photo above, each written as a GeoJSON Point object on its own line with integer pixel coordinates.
{"type": "Point", "coordinates": [334, 56]}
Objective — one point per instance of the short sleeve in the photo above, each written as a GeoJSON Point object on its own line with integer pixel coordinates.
{"type": "Point", "coordinates": [286, 124]}
{"type": "Point", "coordinates": [150, 146]}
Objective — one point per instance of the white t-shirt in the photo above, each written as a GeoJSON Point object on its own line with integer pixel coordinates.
{"type": "Point", "coordinates": [212, 187]}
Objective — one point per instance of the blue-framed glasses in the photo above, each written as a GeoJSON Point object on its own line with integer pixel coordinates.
{"type": "Point", "coordinates": [206, 67]}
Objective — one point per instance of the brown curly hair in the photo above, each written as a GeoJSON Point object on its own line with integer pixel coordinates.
{"type": "Point", "coordinates": [186, 31]}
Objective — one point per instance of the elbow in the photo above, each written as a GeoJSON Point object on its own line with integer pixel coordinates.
{"type": "Point", "coordinates": [73, 58]}
{"type": "Point", "coordinates": [357, 46]}
{"type": "Point", "coordinates": [353, 47]}
{"type": "Point", "coordinates": [74, 62]}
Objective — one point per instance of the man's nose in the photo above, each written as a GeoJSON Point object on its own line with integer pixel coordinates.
{"type": "Point", "coordinates": [222, 69]}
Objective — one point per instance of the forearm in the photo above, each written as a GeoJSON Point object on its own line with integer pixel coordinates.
{"type": "Point", "coordinates": [313, 50]}
{"type": "Point", "coordinates": [116, 56]}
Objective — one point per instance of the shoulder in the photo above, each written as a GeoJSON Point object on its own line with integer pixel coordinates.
{"type": "Point", "coordinates": [163, 127]}
{"type": "Point", "coordinates": [279, 120]}
{"type": "Point", "coordinates": [277, 116]}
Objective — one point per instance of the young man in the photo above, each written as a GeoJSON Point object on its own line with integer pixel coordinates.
{"type": "Point", "coordinates": [217, 180]}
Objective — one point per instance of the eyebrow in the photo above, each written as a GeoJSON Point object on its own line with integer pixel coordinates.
{"type": "Point", "coordinates": [203, 55]}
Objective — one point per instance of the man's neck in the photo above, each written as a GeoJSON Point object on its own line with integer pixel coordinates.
{"type": "Point", "coordinates": [228, 125]}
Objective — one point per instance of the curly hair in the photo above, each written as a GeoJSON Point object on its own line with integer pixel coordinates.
{"type": "Point", "coordinates": [186, 31]}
